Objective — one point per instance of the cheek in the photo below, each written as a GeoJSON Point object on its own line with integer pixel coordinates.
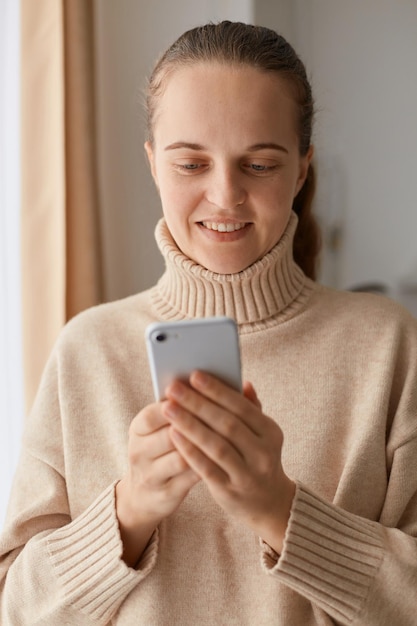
{"type": "Point", "coordinates": [176, 208]}
{"type": "Point", "coordinates": [170, 195]}
{"type": "Point", "coordinates": [277, 201]}
{"type": "Point", "coordinates": [277, 210]}
{"type": "Point", "coordinates": [177, 197]}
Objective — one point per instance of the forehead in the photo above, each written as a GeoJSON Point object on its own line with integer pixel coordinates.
{"type": "Point", "coordinates": [212, 95]}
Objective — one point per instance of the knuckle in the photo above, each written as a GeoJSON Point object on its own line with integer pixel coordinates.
{"type": "Point", "coordinates": [211, 474]}
{"type": "Point", "coordinates": [230, 427]}
{"type": "Point", "coordinates": [221, 448]}
{"type": "Point", "coordinates": [265, 462]}
{"type": "Point", "coordinates": [145, 421]}
{"type": "Point", "coordinates": [265, 466]}
{"type": "Point", "coordinates": [135, 459]}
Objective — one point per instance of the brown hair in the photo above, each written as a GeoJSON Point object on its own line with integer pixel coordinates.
{"type": "Point", "coordinates": [262, 48]}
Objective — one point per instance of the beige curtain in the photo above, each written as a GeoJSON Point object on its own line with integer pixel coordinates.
{"type": "Point", "coordinates": [61, 272]}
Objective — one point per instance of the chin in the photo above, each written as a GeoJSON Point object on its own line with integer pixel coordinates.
{"type": "Point", "coordinates": [221, 262]}
{"type": "Point", "coordinates": [224, 268]}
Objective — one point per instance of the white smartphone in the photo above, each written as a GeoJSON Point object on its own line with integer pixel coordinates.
{"type": "Point", "coordinates": [175, 349]}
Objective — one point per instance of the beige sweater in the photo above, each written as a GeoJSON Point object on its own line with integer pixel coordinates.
{"type": "Point", "coordinates": [336, 370]}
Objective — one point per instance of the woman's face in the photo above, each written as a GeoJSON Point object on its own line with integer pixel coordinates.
{"type": "Point", "coordinates": [226, 161]}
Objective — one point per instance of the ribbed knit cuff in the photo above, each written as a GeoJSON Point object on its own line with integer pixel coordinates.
{"type": "Point", "coordinates": [330, 556]}
{"type": "Point", "coordinates": [87, 554]}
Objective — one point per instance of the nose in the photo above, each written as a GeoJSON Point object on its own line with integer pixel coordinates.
{"type": "Point", "coordinates": [226, 188]}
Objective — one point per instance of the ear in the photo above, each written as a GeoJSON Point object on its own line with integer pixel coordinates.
{"type": "Point", "coordinates": [151, 159]}
{"type": "Point", "coordinates": [304, 165]}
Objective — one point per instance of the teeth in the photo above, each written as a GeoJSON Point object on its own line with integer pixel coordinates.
{"type": "Point", "coordinates": [222, 227]}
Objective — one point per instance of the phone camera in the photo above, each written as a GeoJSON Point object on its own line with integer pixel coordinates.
{"type": "Point", "coordinates": [160, 337]}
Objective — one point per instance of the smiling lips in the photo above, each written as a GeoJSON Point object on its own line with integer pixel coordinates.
{"type": "Point", "coordinates": [223, 227]}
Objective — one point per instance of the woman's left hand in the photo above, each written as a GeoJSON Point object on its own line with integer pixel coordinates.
{"type": "Point", "coordinates": [227, 440]}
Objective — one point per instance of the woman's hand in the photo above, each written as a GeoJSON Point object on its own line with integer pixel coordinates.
{"type": "Point", "coordinates": [236, 449]}
{"type": "Point", "coordinates": [157, 481]}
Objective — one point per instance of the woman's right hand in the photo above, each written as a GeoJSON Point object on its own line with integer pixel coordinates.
{"type": "Point", "coordinates": [157, 481]}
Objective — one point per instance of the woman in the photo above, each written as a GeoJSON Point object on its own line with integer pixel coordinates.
{"type": "Point", "coordinates": [208, 519]}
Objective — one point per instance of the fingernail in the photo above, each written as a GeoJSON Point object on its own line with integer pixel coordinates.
{"type": "Point", "coordinates": [171, 410]}
{"type": "Point", "coordinates": [200, 378]}
{"type": "Point", "coordinates": [176, 390]}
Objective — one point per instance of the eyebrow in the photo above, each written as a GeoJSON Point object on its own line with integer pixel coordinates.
{"type": "Point", "coordinates": [255, 148]}
{"type": "Point", "coordinates": [184, 144]}
{"type": "Point", "coordinates": [267, 146]}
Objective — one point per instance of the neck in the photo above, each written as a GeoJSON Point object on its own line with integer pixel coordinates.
{"type": "Point", "coordinates": [270, 289]}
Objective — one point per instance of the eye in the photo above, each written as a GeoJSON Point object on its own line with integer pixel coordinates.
{"type": "Point", "coordinates": [190, 167]}
{"type": "Point", "coordinates": [260, 168]}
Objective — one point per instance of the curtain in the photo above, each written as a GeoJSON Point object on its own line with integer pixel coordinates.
{"type": "Point", "coordinates": [61, 267]}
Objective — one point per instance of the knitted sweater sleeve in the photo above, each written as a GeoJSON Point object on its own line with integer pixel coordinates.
{"type": "Point", "coordinates": [56, 568]}
{"type": "Point", "coordinates": [357, 571]}
{"type": "Point", "coordinates": [361, 571]}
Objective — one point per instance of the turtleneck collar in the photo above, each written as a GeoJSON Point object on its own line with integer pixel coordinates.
{"type": "Point", "coordinates": [269, 290]}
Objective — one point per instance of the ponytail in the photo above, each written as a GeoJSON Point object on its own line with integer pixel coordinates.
{"type": "Point", "coordinates": [307, 239]}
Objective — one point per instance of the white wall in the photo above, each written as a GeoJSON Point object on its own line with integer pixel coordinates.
{"type": "Point", "coordinates": [279, 15]}
{"type": "Point", "coordinates": [130, 35]}
{"type": "Point", "coordinates": [363, 63]}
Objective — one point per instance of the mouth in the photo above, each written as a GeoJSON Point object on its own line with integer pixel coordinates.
{"type": "Point", "coordinates": [224, 227]}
